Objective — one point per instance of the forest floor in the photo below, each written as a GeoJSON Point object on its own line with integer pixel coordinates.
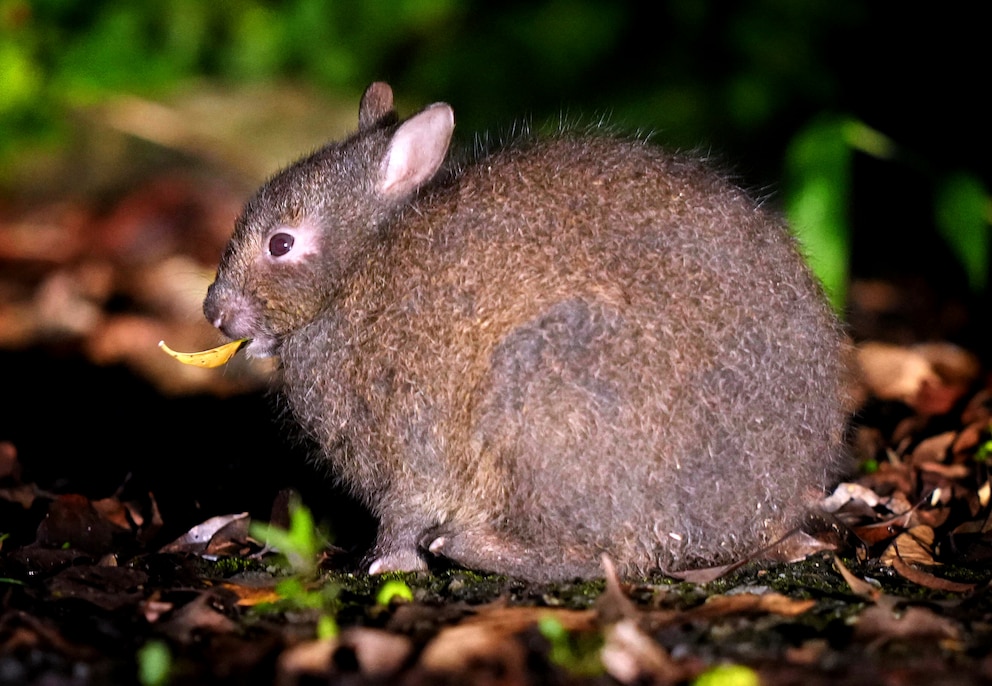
{"type": "Point", "coordinates": [895, 590]}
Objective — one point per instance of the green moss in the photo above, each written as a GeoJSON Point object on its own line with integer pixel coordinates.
{"type": "Point", "coordinates": [224, 567]}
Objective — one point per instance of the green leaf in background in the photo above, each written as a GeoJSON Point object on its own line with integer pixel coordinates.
{"type": "Point", "coordinates": [20, 77]}
{"type": "Point", "coordinates": [393, 588]}
{"type": "Point", "coordinates": [818, 181]}
{"type": "Point", "coordinates": [579, 654]}
{"type": "Point", "coordinates": [300, 544]}
{"type": "Point", "coordinates": [963, 212]}
{"type": "Point", "coordinates": [728, 675]}
{"type": "Point", "coordinates": [154, 664]}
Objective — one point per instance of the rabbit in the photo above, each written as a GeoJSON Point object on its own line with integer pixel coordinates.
{"type": "Point", "coordinates": [565, 347]}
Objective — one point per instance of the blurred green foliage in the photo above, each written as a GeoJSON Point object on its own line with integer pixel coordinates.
{"type": "Point", "coordinates": [56, 55]}
{"type": "Point", "coordinates": [963, 214]}
{"type": "Point", "coordinates": [818, 176]}
{"type": "Point", "coordinates": [818, 171]}
{"type": "Point", "coordinates": [692, 67]}
{"type": "Point", "coordinates": [154, 663]}
{"type": "Point", "coordinates": [779, 87]}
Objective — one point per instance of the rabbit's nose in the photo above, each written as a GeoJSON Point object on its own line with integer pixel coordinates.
{"type": "Point", "coordinates": [213, 307]}
{"type": "Point", "coordinates": [224, 310]}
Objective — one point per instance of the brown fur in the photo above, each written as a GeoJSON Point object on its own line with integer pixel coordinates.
{"type": "Point", "coordinates": [568, 347]}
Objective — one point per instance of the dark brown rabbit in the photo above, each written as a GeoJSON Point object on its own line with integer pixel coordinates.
{"type": "Point", "coordinates": [563, 348]}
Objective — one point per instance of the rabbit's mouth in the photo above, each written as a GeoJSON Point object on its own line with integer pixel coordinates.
{"type": "Point", "coordinates": [262, 346]}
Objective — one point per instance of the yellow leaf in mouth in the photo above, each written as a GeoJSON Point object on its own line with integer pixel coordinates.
{"type": "Point", "coordinates": [215, 357]}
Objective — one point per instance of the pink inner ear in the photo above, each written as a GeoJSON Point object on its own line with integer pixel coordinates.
{"type": "Point", "coordinates": [306, 242]}
{"type": "Point", "coordinates": [417, 150]}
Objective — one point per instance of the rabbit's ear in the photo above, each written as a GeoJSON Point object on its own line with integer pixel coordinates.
{"type": "Point", "coordinates": [376, 106]}
{"type": "Point", "coordinates": [416, 151]}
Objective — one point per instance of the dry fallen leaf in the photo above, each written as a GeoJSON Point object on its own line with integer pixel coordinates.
{"type": "Point", "coordinates": [912, 546]}
{"type": "Point", "coordinates": [882, 531]}
{"type": "Point", "coordinates": [200, 538]}
{"type": "Point", "coordinates": [379, 654]}
{"type": "Point", "coordinates": [929, 378]}
{"type": "Point", "coordinates": [845, 493]}
{"type": "Point", "coordinates": [751, 603]}
{"type": "Point", "coordinates": [10, 473]}
{"type": "Point", "coordinates": [306, 660]}
{"type": "Point", "coordinates": [928, 580]}
{"type": "Point", "coordinates": [374, 654]}
{"type": "Point", "coordinates": [628, 654]}
{"type": "Point", "coordinates": [934, 448]}
{"type": "Point", "coordinates": [456, 649]}
{"type": "Point", "coordinates": [889, 620]}
{"type": "Point", "coordinates": [73, 521]}
{"type": "Point", "coordinates": [703, 575]}
{"type": "Point", "coordinates": [954, 364]}
{"type": "Point", "coordinates": [188, 623]}
{"type": "Point", "coordinates": [859, 586]}
{"type": "Point", "coordinates": [613, 604]}
{"type": "Point", "coordinates": [893, 372]}
{"type": "Point", "coordinates": [251, 595]}
{"type": "Point", "coordinates": [214, 357]}
{"type": "Point", "coordinates": [489, 637]}
{"type": "Point", "coordinates": [153, 608]}
{"type": "Point", "coordinates": [109, 588]}
{"type": "Point", "coordinates": [632, 657]}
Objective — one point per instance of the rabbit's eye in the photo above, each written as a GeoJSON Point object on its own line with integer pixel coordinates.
{"type": "Point", "coordinates": [280, 244]}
